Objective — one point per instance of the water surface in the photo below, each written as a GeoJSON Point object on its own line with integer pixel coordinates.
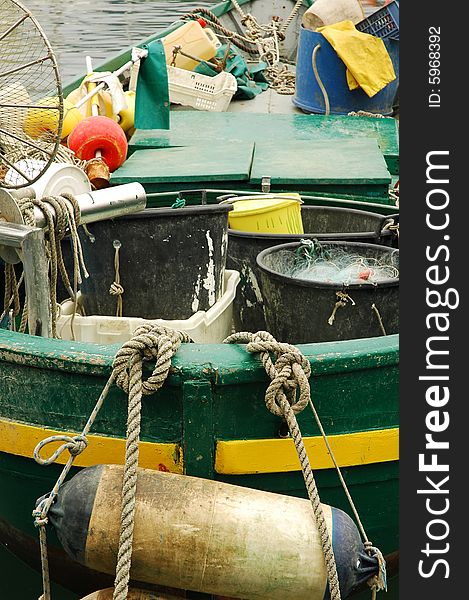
{"type": "Point", "coordinates": [101, 28]}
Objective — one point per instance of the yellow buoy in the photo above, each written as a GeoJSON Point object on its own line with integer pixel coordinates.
{"type": "Point", "coordinates": [40, 121]}
{"type": "Point", "coordinates": [126, 116]}
{"type": "Point", "coordinates": [72, 116]}
{"type": "Point", "coordinates": [103, 99]}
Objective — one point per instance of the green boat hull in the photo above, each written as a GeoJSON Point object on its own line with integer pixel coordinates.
{"type": "Point", "coordinates": [214, 397]}
{"type": "Point", "coordinates": [209, 419]}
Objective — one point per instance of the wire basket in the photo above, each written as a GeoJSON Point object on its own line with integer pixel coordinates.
{"type": "Point", "coordinates": [384, 23]}
{"type": "Point", "coordinates": [201, 91]}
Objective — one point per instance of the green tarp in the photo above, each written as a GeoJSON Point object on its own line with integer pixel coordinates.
{"type": "Point", "coordinates": [250, 79]}
{"type": "Point", "coordinates": [152, 99]}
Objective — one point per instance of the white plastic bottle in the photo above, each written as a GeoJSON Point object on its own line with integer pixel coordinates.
{"type": "Point", "coordinates": [195, 39]}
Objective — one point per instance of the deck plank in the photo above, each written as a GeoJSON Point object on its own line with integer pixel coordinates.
{"type": "Point", "coordinates": [189, 128]}
{"type": "Point", "coordinates": [345, 161]}
{"type": "Point", "coordinates": [204, 162]}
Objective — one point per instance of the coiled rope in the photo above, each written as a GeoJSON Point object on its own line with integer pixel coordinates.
{"type": "Point", "coordinates": [62, 216]}
{"type": "Point", "coordinates": [280, 77]}
{"type": "Point", "coordinates": [215, 23]}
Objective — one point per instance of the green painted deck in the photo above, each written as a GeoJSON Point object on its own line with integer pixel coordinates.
{"type": "Point", "coordinates": [188, 127]}
{"type": "Point", "coordinates": [206, 162]}
{"type": "Point", "coordinates": [328, 162]}
{"type": "Point", "coordinates": [349, 166]}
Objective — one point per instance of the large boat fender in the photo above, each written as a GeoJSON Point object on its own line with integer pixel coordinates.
{"type": "Point", "coordinates": [207, 536]}
{"type": "Point", "coordinates": [132, 594]}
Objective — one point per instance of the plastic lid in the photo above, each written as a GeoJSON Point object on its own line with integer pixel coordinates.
{"type": "Point", "coordinates": [202, 22]}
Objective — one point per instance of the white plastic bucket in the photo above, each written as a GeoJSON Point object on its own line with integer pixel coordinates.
{"type": "Point", "coordinates": [328, 12]}
{"type": "Point", "coordinates": [60, 178]}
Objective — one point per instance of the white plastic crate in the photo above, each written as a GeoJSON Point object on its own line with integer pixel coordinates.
{"type": "Point", "coordinates": [205, 327]}
{"type": "Point", "coordinates": [201, 91]}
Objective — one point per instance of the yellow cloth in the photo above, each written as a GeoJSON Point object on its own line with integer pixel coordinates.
{"type": "Point", "coordinates": [365, 56]}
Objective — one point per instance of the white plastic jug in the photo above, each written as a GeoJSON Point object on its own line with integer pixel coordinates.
{"type": "Point", "coordinates": [195, 39]}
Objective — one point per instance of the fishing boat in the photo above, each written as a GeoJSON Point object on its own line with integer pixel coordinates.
{"type": "Point", "coordinates": [209, 419]}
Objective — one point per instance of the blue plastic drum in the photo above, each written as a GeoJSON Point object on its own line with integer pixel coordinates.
{"type": "Point", "coordinates": [331, 69]}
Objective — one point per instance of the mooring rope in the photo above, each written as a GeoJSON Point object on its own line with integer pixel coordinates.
{"type": "Point", "coordinates": [291, 16]}
{"type": "Point", "coordinates": [215, 23]}
{"type": "Point", "coordinates": [289, 374]}
{"type": "Point", "coordinates": [74, 445]}
{"type": "Point", "coordinates": [149, 342]}
{"type": "Point", "coordinates": [154, 343]}
{"type": "Point", "coordinates": [116, 288]}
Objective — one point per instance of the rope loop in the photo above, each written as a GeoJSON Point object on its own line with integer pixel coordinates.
{"type": "Point", "coordinates": [149, 342]}
{"type": "Point", "coordinates": [75, 445]}
{"type": "Point", "coordinates": [289, 372]}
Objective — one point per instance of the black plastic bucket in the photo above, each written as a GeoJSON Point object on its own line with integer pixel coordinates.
{"type": "Point", "coordinates": [299, 311]}
{"type": "Point", "coordinates": [319, 222]}
{"type": "Point", "coordinates": [172, 262]}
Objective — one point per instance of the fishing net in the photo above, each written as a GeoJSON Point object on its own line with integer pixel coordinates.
{"type": "Point", "coordinates": [341, 265]}
{"type": "Point", "coordinates": [31, 99]}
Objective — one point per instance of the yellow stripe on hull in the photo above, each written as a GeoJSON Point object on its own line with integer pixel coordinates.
{"type": "Point", "coordinates": [21, 439]}
{"type": "Point", "coordinates": [236, 457]}
{"type": "Point", "coordinates": [279, 455]}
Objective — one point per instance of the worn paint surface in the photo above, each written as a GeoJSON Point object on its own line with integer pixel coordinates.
{"type": "Point", "coordinates": [242, 127]}
{"type": "Point", "coordinates": [20, 439]}
{"type": "Point", "coordinates": [279, 455]}
{"type": "Point", "coordinates": [214, 393]}
{"type": "Point", "coordinates": [209, 279]}
{"type": "Point", "coordinates": [178, 520]}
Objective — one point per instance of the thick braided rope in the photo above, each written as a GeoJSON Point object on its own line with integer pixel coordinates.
{"type": "Point", "coordinates": [67, 217]}
{"type": "Point", "coordinates": [11, 290]}
{"type": "Point", "coordinates": [290, 372]}
{"type": "Point", "coordinates": [149, 342]}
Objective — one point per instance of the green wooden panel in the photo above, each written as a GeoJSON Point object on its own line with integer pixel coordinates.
{"type": "Point", "coordinates": [244, 127]}
{"type": "Point", "coordinates": [205, 162]}
{"type": "Point", "coordinates": [331, 162]}
{"type": "Point", "coordinates": [198, 442]}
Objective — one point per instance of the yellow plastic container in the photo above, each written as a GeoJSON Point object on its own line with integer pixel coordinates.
{"type": "Point", "coordinates": [267, 214]}
{"type": "Point", "coordinates": [195, 40]}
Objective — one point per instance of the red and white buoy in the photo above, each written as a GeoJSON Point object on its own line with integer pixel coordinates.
{"type": "Point", "coordinates": [100, 138]}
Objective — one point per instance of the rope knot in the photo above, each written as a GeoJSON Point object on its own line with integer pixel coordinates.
{"type": "Point", "coordinates": [40, 520]}
{"type": "Point", "coordinates": [40, 513]}
{"type": "Point", "coordinates": [377, 582]}
{"type": "Point", "coordinates": [290, 371]}
{"type": "Point", "coordinates": [116, 289]}
{"type": "Point", "coordinates": [74, 445]}
{"type": "Point", "coordinates": [149, 342]}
